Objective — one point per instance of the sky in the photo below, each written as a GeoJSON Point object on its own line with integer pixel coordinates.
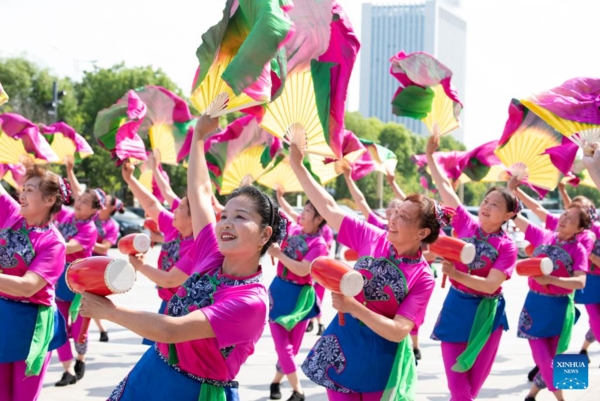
{"type": "Point", "coordinates": [514, 47]}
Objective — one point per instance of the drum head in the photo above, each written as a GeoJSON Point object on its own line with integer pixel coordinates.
{"type": "Point", "coordinates": [467, 254]}
{"type": "Point", "coordinates": [351, 284]}
{"type": "Point", "coordinates": [119, 276]}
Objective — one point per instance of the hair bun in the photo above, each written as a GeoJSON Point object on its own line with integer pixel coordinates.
{"type": "Point", "coordinates": [443, 214]}
{"type": "Point", "coordinates": [65, 191]}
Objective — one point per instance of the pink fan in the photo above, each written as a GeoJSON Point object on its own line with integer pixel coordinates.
{"type": "Point", "coordinates": [66, 143]}
{"type": "Point", "coordinates": [21, 141]}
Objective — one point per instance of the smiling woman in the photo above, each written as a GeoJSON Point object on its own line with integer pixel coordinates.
{"type": "Point", "coordinates": [216, 317]}
{"type": "Point", "coordinates": [32, 257]}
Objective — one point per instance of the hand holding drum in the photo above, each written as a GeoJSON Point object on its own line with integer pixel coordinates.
{"type": "Point", "coordinates": [337, 277]}
{"type": "Point", "coordinates": [134, 244]}
{"type": "Point", "coordinates": [100, 275]}
{"type": "Point", "coordinates": [534, 267]}
{"type": "Point", "coordinates": [454, 250]}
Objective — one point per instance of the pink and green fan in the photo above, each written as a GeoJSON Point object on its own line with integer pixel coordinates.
{"type": "Point", "coordinates": [241, 60]}
{"type": "Point", "coordinates": [579, 176]}
{"type": "Point", "coordinates": [3, 95]}
{"type": "Point", "coordinates": [572, 109]}
{"type": "Point", "coordinates": [12, 174]}
{"type": "Point", "coordinates": [116, 128]}
{"type": "Point", "coordinates": [310, 110]}
{"type": "Point", "coordinates": [383, 159]}
{"type": "Point", "coordinates": [242, 153]}
{"type": "Point", "coordinates": [146, 178]}
{"type": "Point", "coordinates": [425, 92]}
{"type": "Point", "coordinates": [22, 143]}
{"type": "Point", "coordinates": [66, 143]}
{"type": "Point", "coordinates": [167, 123]}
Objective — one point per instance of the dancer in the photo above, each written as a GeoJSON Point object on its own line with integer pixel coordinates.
{"type": "Point", "coordinates": [32, 259]}
{"type": "Point", "coordinates": [217, 316]}
{"type": "Point", "coordinates": [370, 355]}
{"type": "Point", "coordinates": [472, 319]}
{"type": "Point", "coordinates": [107, 228]}
{"type": "Point", "coordinates": [177, 229]}
{"type": "Point", "coordinates": [78, 229]}
{"type": "Point", "coordinates": [328, 236]}
{"type": "Point", "coordinates": [548, 315]}
{"type": "Point", "coordinates": [154, 160]}
{"type": "Point", "coordinates": [292, 295]}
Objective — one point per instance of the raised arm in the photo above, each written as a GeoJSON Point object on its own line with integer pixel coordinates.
{"type": "Point", "coordinates": [149, 203]}
{"type": "Point", "coordinates": [161, 182]}
{"type": "Point", "coordinates": [199, 187]}
{"type": "Point", "coordinates": [564, 195]}
{"type": "Point", "coordinates": [441, 181]}
{"type": "Point", "coordinates": [357, 196]}
{"type": "Point", "coordinates": [75, 185]}
{"type": "Point", "coordinates": [319, 198]}
{"type": "Point", "coordinates": [398, 193]}
{"type": "Point", "coordinates": [287, 208]}
{"type": "Point", "coordinates": [528, 201]}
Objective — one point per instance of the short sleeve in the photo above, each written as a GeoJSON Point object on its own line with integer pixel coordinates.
{"type": "Point", "coordinates": [551, 221]}
{"type": "Point", "coordinates": [318, 248]}
{"type": "Point", "coordinates": [586, 239]}
{"type": "Point", "coordinates": [175, 204]}
{"type": "Point", "coordinates": [374, 220]}
{"type": "Point", "coordinates": [111, 232]}
{"type": "Point", "coordinates": [204, 253]}
{"type": "Point", "coordinates": [507, 258]}
{"type": "Point", "coordinates": [50, 262]}
{"type": "Point", "coordinates": [415, 303]}
{"type": "Point", "coordinates": [165, 222]}
{"type": "Point", "coordinates": [239, 317]}
{"type": "Point", "coordinates": [463, 222]}
{"type": "Point", "coordinates": [10, 208]}
{"type": "Point", "coordinates": [580, 262]}
{"type": "Point", "coordinates": [535, 234]}
{"type": "Point", "coordinates": [356, 234]}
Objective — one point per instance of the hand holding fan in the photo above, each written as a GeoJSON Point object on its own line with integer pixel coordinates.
{"type": "Point", "coordinates": [22, 143]}
{"type": "Point", "coordinates": [116, 128]}
{"type": "Point", "coordinates": [425, 92]}
{"type": "Point", "coordinates": [377, 158]}
{"type": "Point", "coordinates": [66, 143]}
{"type": "Point", "coordinates": [236, 56]}
{"type": "Point", "coordinates": [572, 109]}
{"type": "Point", "coordinates": [3, 96]}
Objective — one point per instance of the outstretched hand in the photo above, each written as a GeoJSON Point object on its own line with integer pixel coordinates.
{"type": "Point", "coordinates": [205, 126]}
{"type": "Point", "coordinates": [432, 145]}
{"type": "Point", "coordinates": [296, 155]}
{"type": "Point", "coordinates": [127, 170]}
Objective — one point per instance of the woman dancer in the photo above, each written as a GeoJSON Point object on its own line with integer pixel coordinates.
{"type": "Point", "coordinates": [178, 235]}
{"type": "Point", "coordinates": [328, 236]}
{"type": "Point", "coordinates": [32, 257]}
{"type": "Point", "coordinates": [107, 228]}
{"type": "Point", "coordinates": [79, 232]}
{"type": "Point", "coordinates": [292, 287]}
{"type": "Point", "coordinates": [370, 355]}
{"type": "Point", "coordinates": [217, 316]}
{"type": "Point", "coordinates": [548, 315]}
{"type": "Point", "coordinates": [472, 319]}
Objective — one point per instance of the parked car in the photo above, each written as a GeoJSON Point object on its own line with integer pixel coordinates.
{"type": "Point", "coordinates": [129, 223]}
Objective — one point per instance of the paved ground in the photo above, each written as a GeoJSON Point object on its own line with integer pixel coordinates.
{"type": "Point", "coordinates": [108, 363]}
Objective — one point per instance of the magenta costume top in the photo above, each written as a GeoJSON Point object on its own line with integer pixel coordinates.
{"type": "Point", "coordinates": [83, 231]}
{"type": "Point", "coordinates": [327, 234]}
{"type": "Point", "coordinates": [567, 257]}
{"type": "Point", "coordinates": [107, 230]}
{"type": "Point", "coordinates": [376, 221]}
{"type": "Point", "coordinates": [593, 269]}
{"type": "Point", "coordinates": [300, 246]}
{"type": "Point", "coordinates": [26, 248]}
{"type": "Point", "coordinates": [493, 250]}
{"type": "Point", "coordinates": [236, 308]}
{"type": "Point", "coordinates": [172, 250]}
{"type": "Point", "coordinates": [587, 238]}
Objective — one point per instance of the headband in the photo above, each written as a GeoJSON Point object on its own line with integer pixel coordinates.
{"type": "Point", "coordinates": [101, 196]}
{"type": "Point", "coordinates": [443, 214]}
{"type": "Point", "coordinates": [518, 207]}
{"type": "Point", "coordinates": [593, 213]}
{"type": "Point", "coordinates": [65, 190]}
{"type": "Point", "coordinates": [118, 204]}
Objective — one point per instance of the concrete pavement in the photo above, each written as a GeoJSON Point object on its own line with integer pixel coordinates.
{"type": "Point", "coordinates": [108, 363]}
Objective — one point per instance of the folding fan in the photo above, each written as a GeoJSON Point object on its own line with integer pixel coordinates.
{"type": "Point", "coordinates": [66, 143]}
{"type": "Point", "coordinates": [116, 128]}
{"type": "Point", "coordinates": [147, 180]}
{"type": "Point", "coordinates": [425, 92]}
{"type": "Point", "coordinates": [12, 174]}
{"type": "Point", "coordinates": [522, 148]}
{"type": "Point", "coordinates": [242, 152]}
{"type": "Point", "coordinates": [236, 57]}
{"type": "Point", "coordinates": [167, 122]}
{"type": "Point", "coordinates": [3, 96]}
{"type": "Point", "coordinates": [376, 158]}
{"type": "Point", "coordinates": [572, 109]}
{"type": "Point", "coordinates": [21, 142]}
{"type": "Point", "coordinates": [579, 176]}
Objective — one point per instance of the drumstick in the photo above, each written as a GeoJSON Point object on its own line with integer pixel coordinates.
{"type": "Point", "coordinates": [85, 325]}
{"type": "Point", "coordinates": [444, 281]}
{"type": "Point", "coordinates": [341, 319]}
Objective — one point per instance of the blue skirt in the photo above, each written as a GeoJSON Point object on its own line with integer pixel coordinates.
{"type": "Point", "coordinates": [458, 313]}
{"type": "Point", "coordinates": [17, 325]}
{"type": "Point", "coordinates": [591, 293]}
{"type": "Point", "coordinates": [153, 379]}
{"type": "Point", "coordinates": [161, 311]}
{"type": "Point", "coordinates": [283, 296]}
{"type": "Point", "coordinates": [351, 358]}
{"type": "Point", "coordinates": [543, 315]}
{"type": "Point", "coordinates": [62, 290]}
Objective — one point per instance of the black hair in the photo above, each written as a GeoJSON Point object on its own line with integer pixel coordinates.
{"type": "Point", "coordinates": [113, 202]}
{"type": "Point", "coordinates": [50, 185]}
{"type": "Point", "coordinates": [317, 214]}
{"type": "Point", "coordinates": [427, 216]}
{"type": "Point", "coordinates": [509, 197]}
{"type": "Point", "coordinates": [265, 207]}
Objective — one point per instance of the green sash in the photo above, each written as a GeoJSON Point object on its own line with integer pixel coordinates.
{"type": "Point", "coordinates": [208, 392]}
{"type": "Point", "coordinates": [304, 304]}
{"type": "Point", "coordinates": [74, 308]}
{"type": "Point", "coordinates": [402, 383]}
{"type": "Point", "coordinates": [565, 334]}
{"type": "Point", "coordinates": [480, 333]}
{"type": "Point", "coordinates": [42, 335]}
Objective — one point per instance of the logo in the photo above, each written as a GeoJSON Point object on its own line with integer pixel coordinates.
{"type": "Point", "coordinates": [571, 372]}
